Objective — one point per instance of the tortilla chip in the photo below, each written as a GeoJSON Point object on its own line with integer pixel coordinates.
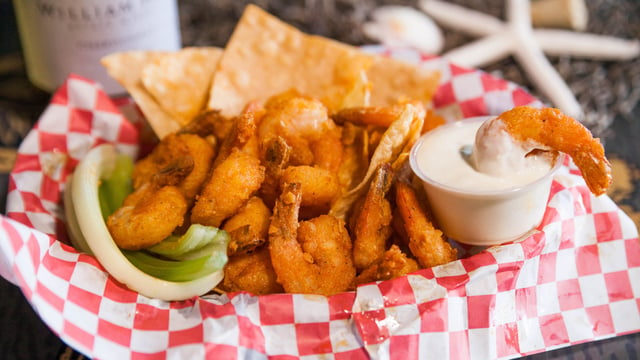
{"type": "Point", "coordinates": [126, 68]}
{"type": "Point", "coordinates": [265, 57]}
{"type": "Point", "coordinates": [398, 137]}
{"type": "Point", "coordinates": [396, 81]}
{"type": "Point", "coordinates": [180, 81]}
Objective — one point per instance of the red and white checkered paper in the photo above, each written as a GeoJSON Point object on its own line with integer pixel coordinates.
{"type": "Point", "coordinates": [576, 280]}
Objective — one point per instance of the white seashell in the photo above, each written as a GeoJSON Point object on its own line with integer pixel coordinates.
{"type": "Point", "coordinates": [396, 26]}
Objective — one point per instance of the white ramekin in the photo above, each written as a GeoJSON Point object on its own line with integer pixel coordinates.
{"type": "Point", "coordinates": [484, 218]}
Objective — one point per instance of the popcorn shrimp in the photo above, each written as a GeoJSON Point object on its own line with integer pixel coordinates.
{"type": "Point", "coordinates": [426, 242]}
{"type": "Point", "coordinates": [550, 129]}
{"type": "Point", "coordinates": [147, 217]}
{"type": "Point", "coordinates": [373, 221]}
{"type": "Point", "coordinates": [313, 256]}
{"type": "Point", "coordinates": [229, 187]}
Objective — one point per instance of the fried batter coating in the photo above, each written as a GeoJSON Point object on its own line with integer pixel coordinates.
{"type": "Point", "coordinates": [241, 136]}
{"type": "Point", "coordinates": [319, 188]}
{"type": "Point", "coordinates": [305, 125]}
{"type": "Point", "coordinates": [229, 187]}
{"type": "Point", "coordinates": [381, 116]}
{"type": "Point", "coordinates": [550, 129]}
{"type": "Point", "coordinates": [249, 227]}
{"type": "Point", "coordinates": [252, 272]}
{"type": "Point", "coordinates": [147, 217]}
{"type": "Point", "coordinates": [276, 154]}
{"type": "Point", "coordinates": [328, 152]}
{"type": "Point", "coordinates": [372, 226]}
{"type": "Point", "coordinates": [208, 122]}
{"type": "Point", "coordinates": [393, 264]}
{"type": "Point", "coordinates": [426, 242]}
{"type": "Point", "coordinates": [171, 155]}
{"type": "Point", "coordinates": [175, 172]}
{"type": "Point", "coordinates": [312, 257]}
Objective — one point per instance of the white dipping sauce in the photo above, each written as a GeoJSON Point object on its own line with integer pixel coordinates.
{"type": "Point", "coordinates": [501, 163]}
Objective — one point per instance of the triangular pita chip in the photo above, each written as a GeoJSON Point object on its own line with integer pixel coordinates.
{"type": "Point", "coordinates": [180, 81]}
{"type": "Point", "coordinates": [126, 68]}
{"type": "Point", "coordinates": [266, 56]}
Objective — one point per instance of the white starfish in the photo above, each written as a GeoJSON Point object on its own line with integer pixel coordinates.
{"type": "Point", "coordinates": [517, 37]}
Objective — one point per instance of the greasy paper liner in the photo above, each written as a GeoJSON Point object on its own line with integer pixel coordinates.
{"type": "Point", "coordinates": [574, 280]}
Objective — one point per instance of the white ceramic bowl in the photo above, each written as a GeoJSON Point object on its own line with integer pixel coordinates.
{"type": "Point", "coordinates": [483, 217]}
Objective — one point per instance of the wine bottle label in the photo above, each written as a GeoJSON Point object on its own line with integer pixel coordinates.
{"type": "Point", "coordinates": [60, 37]}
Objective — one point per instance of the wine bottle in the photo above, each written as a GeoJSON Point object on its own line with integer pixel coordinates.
{"type": "Point", "coordinates": [60, 37]}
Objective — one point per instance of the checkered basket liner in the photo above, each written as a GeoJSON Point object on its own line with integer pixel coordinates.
{"type": "Point", "coordinates": [576, 279]}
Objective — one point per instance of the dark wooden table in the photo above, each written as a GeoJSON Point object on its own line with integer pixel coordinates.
{"type": "Point", "coordinates": [608, 91]}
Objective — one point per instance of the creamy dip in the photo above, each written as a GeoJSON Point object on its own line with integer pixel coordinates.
{"type": "Point", "coordinates": [497, 162]}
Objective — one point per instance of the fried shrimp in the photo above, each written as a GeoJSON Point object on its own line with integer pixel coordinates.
{"type": "Point", "coordinates": [372, 226]}
{"type": "Point", "coordinates": [229, 187]}
{"type": "Point", "coordinates": [147, 217]}
{"type": "Point", "coordinates": [242, 135]}
{"type": "Point", "coordinates": [426, 242]}
{"type": "Point", "coordinates": [368, 115]}
{"type": "Point", "coordinates": [305, 125]}
{"type": "Point", "coordinates": [319, 188]}
{"type": "Point", "coordinates": [276, 158]}
{"type": "Point", "coordinates": [393, 264]}
{"type": "Point", "coordinates": [186, 158]}
{"type": "Point", "coordinates": [207, 123]}
{"type": "Point", "coordinates": [249, 227]}
{"type": "Point", "coordinates": [313, 256]}
{"type": "Point", "coordinates": [550, 130]}
{"type": "Point", "coordinates": [252, 272]}
{"type": "Point", "coordinates": [383, 116]}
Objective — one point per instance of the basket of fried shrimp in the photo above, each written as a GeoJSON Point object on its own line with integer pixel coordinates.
{"type": "Point", "coordinates": [260, 204]}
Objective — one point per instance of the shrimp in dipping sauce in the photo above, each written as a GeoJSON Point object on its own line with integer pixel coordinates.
{"type": "Point", "coordinates": [545, 129]}
{"type": "Point", "coordinates": [312, 256]}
